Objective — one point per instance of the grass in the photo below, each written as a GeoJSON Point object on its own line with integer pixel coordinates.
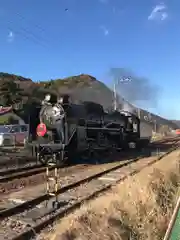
{"type": "Point", "coordinates": [138, 208]}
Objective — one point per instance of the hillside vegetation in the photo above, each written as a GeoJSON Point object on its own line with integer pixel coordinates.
{"type": "Point", "coordinates": [24, 94]}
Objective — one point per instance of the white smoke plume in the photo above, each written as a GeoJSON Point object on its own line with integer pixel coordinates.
{"type": "Point", "coordinates": [127, 107]}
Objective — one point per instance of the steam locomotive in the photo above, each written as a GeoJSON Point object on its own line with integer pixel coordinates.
{"type": "Point", "coordinates": [88, 130]}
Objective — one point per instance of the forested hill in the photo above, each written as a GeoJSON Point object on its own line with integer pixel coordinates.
{"type": "Point", "coordinates": [23, 92]}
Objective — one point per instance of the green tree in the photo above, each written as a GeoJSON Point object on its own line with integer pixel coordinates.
{"type": "Point", "coordinates": [10, 93]}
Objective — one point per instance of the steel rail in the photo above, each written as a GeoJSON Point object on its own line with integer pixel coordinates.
{"type": "Point", "coordinates": [11, 174]}
{"type": "Point", "coordinates": [27, 234]}
{"type": "Point", "coordinates": [58, 213]}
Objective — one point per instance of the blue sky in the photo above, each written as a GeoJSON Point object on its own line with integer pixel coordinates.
{"type": "Point", "coordinates": [42, 40]}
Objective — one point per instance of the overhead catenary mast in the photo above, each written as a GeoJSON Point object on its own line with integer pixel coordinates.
{"type": "Point", "coordinates": [115, 96]}
{"type": "Point", "coordinates": [115, 84]}
{"type": "Point", "coordinates": [139, 112]}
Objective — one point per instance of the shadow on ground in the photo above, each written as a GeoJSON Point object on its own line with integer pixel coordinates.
{"type": "Point", "coordinates": [9, 157]}
{"type": "Point", "coordinates": [148, 150]}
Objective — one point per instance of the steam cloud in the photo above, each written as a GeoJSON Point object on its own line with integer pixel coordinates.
{"type": "Point", "coordinates": [132, 88]}
{"type": "Point", "coordinates": [127, 107]}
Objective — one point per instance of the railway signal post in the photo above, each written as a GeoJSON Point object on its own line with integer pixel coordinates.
{"type": "Point", "coordinates": [51, 189]}
{"type": "Point", "coordinates": [54, 179]}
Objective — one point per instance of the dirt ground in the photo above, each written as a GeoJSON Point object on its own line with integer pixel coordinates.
{"type": "Point", "coordinates": [138, 208]}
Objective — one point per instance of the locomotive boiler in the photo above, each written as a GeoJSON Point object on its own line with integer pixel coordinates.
{"type": "Point", "coordinates": [87, 130]}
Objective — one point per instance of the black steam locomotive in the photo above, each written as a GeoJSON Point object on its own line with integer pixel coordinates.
{"type": "Point", "coordinates": [88, 130]}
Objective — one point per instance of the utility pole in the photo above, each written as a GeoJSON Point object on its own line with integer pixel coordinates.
{"type": "Point", "coordinates": [116, 82]}
{"type": "Point", "coordinates": [115, 97]}
{"type": "Point", "coordinates": [139, 113]}
{"type": "Point", "coordinates": [155, 127]}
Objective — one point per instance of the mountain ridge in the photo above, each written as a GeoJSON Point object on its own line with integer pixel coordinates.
{"type": "Point", "coordinates": [83, 87]}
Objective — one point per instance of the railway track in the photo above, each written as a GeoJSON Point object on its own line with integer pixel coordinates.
{"type": "Point", "coordinates": [26, 171]}
{"type": "Point", "coordinates": [10, 158]}
{"type": "Point", "coordinates": [17, 173]}
{"type": "Point", "coordinates": [14, 179]}
{"type": "Point", "coordinates": [35, 214]}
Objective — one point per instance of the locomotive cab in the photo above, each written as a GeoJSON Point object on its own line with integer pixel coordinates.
{"type": "Point", "coordinates": [132, 130]}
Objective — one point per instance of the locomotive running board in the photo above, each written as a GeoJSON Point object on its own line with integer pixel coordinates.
{"type": "Point", "coordinates": [105, 129]}
{"type": "Point", "coordinates": [53, 146]}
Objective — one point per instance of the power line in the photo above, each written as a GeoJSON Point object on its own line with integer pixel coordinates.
{"type": "Point", "coordinates": [24, 32]}
{"type": "Point", "coordinates": [19, 32]}
{"type": "Point", "coordinates": [37, 26]}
